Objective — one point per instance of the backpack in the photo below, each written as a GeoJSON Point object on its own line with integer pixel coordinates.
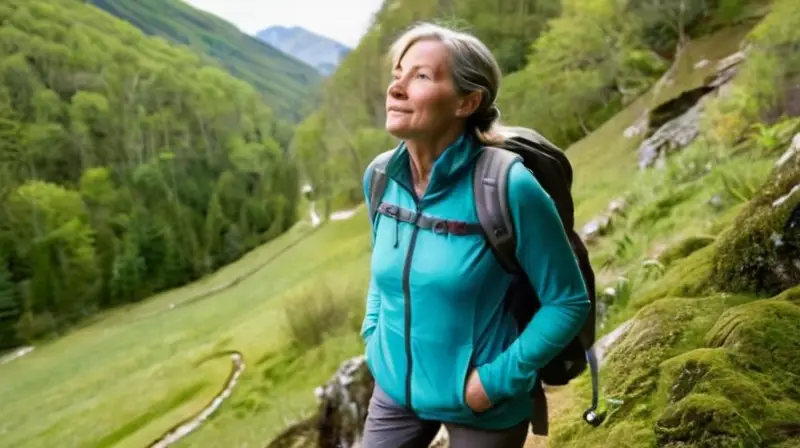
{"type": "Point", "coordinates": [553, 171]}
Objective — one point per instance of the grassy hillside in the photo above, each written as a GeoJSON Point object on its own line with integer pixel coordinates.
{"type": "Point", "coordinates": [128, 166]}
{"type": "Point", "coordinates": [287, 84]}
{"type": "Point", "coordinates": [125, 379]}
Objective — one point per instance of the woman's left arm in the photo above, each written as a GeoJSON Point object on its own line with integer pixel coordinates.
{"type": "Point", "coordinates": [545, 255]}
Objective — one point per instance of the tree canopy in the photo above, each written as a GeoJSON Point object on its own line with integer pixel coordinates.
{"type": "Point", "coordinates": [129, 165]}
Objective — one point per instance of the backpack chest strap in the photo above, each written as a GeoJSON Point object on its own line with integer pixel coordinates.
{"type": "Point", "coordinates": [437, 225]}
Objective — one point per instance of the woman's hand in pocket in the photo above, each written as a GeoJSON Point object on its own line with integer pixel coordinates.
{"type": "Point", "coordinates": [474, 393]}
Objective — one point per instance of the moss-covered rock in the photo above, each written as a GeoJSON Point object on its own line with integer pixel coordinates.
{"type": "Point", "coordinates": [743, 389]}
{"type": "Point", "coordinates": [756, 255]}
{"type": "Point", "coordinates": [684, 248]}
{"type": "Point", "coordinates": [704, 421]}
{"type": "Point", "coordinates": [695, 383]}
{"type": "Point", "coordinates": [687, 277]}
{"type": "Point", "coordinates": [765, 334]}
{"type": "Point", "coordinates": [661, 330]}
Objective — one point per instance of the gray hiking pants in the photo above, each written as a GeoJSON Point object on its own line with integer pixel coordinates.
{"type": "Point", "coordinates": [390, 425]}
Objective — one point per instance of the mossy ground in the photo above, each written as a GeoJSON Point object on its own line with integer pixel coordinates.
{"type": "Point", "coordinates": [711, 355]}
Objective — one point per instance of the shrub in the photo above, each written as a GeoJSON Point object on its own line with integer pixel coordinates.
{"type": "Point", "coordinates": [317, 312]}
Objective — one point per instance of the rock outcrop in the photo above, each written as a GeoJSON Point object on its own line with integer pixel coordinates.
{"type": "Point", "coordinates": [676, 123]}
{"type": "Point", "coordinates": [339, 420]}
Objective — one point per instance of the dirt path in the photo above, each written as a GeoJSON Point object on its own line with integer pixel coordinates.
{"type": "Point", "coordinates": [188, 425]}
{"type": "Point", "coordinates": [16, 354]}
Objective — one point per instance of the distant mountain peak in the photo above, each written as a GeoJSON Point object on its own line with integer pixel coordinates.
{"type": "Point", "coordinates": [318, 51]}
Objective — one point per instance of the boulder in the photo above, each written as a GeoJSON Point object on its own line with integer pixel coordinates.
{"type": "Point", "coordinates": [343, 404]}
{"type": "Point", "coordinates": [674, 124]}
{"type": "Point", "coordinates": [761, 253]}
{"type": "Point", "coordinates": [339, 421]}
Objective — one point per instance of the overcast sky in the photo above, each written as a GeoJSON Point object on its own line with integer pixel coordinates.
{"type": "Point", "coordinates": [325, 17]}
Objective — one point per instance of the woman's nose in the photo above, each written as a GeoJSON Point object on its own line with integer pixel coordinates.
{"type": "Point", "coordinates": [397, 89]}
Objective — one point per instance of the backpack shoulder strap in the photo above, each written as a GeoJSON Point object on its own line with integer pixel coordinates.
{"type": "Point", "coordinates": [377, 181]}
{"type": "Point", "coordinates": [490, 184]}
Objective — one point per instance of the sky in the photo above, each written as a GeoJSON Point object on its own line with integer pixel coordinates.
{"type": "Point", "coordinates": [325, 17]}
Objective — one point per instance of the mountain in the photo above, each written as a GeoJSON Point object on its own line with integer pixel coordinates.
{"type": "Point", "coordinates": [287, 83]}
{"type": "Point", "coordinates": [311, 48]}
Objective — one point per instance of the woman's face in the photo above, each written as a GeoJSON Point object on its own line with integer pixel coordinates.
{"type": "Point", "coordinates": [421, 101]}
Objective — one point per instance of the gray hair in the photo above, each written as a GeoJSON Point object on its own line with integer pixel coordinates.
{"type": "Point", "coordinates": [473, 68]}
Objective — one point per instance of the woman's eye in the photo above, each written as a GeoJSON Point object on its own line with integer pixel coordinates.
{"type": "Point", "coordinates": [422, 75]}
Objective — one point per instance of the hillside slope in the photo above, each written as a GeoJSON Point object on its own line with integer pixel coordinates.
{"type": "Point", "coordinates": [287, 83]}
{"type": "Point", "coordinates": [128, 166]}
{"type": "Point", "coordinates": [318, 51]}
{"type": "Point", "coordinates": [127, 378]}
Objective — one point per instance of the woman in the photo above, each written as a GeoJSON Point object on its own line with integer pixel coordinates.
{"type": "Point", "coordinates": [438, 342]}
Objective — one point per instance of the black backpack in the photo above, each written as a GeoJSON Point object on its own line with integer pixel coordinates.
{"type": "Point", "coordinates": [553, 171]}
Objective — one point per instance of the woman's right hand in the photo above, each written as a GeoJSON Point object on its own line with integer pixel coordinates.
{"type": "Point", "coordinates": [475, 394]}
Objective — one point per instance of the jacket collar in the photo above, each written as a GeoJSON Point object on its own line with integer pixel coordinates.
{"type": "Point", "coordinates": [448, 168]}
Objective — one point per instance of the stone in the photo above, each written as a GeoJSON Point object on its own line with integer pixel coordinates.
{"type": "Point", "coordinates": [761, 254]}
{"type": "Point", "coordinates": [674, 124]}
{"type": "Point", "coordinates": [343, 405]}
{"type": "Point", "coordinates": [596, 228]}
{"type": "Point", "coordinates": [791, 152]}
{"type": "Point", "coordinates": [342, 410]}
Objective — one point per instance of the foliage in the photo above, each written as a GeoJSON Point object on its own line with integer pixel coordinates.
{"type": "Point", "coordinates": [763, 88]}
{"type": "Point", "coordinates": [707, 357]}
{"type": "Point", "coordinates": [286, 83]}
{"type": "Point", "coordinates": [321, 312]}
{"type": "Point", "coordinates": [128, 165]}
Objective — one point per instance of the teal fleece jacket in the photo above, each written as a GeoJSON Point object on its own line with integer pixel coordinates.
{"type": "Point", "coordinates": [434, 309]}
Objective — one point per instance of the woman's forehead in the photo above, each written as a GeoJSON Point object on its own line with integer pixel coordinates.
{"type": "Point", "coordinates": [430, 54]}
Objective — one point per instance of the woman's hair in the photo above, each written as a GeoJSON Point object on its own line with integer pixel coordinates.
{"type": "Point", "coordinates": [473, 68]}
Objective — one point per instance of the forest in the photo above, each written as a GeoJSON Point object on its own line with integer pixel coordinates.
{"type": "Point", "coordinates": [127, 166]}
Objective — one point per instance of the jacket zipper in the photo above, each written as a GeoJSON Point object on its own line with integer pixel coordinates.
{"type": "Point", "coordinates": [407, 290]}
{"type": "Point", "coordinates": [407, 293]}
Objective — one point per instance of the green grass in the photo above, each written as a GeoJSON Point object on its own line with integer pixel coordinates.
{"type": "Point", "coordinates": [102, 383]}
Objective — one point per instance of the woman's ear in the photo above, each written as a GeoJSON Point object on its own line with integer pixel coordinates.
{"type": "Point", "coordinates": [468, 104]}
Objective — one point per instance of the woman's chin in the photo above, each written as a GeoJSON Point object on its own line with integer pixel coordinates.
{"type": "Point", "coordinates": [398, 130]}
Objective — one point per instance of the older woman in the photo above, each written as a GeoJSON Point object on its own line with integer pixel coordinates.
{"type": "Point", "coordinates": [439, 343]}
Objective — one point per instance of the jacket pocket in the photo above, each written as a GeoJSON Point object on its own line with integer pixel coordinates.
{"type": "Point", "coordinates": [462, 386]}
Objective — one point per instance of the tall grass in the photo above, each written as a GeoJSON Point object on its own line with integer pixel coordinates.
{"type": "Point", "coordinates": [321, 311]}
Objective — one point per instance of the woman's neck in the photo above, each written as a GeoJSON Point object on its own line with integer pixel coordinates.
{"type": "Point", "coordinates": [423, 154]}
